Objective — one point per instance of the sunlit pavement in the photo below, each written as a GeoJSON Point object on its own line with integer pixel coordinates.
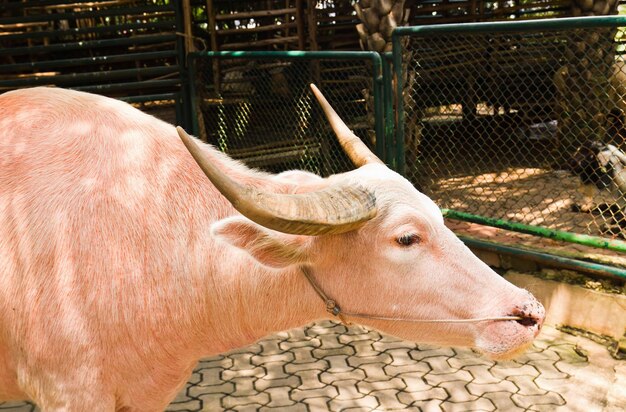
{"type": "Point", "coordinates": [327, 366]}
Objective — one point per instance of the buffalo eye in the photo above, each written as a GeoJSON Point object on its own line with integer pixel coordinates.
{"type": "Point", "coordinates": [408, 239]}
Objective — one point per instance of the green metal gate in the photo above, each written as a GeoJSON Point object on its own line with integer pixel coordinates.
{"type": "Point", "coordinates": [494, 120]}
{"type": "Point", "coordinates": [258, 107]}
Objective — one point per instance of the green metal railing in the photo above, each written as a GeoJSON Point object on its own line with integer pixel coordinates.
{"type": "Point", "coordinates": [224, 76]}
{"type": "Point", "coordinates": [478, 84]}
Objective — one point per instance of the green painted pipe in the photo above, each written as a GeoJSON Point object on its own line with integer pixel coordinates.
{"type": "Point", "coordinates": [547, 259]}
{"type": "Point", "coordinates": [510, 26]}
{"type": "Point", "coordinates": [593, 241]}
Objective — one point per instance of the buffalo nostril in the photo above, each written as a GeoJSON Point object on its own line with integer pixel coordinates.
{"type": "Point", "coordinates": [527, 321]}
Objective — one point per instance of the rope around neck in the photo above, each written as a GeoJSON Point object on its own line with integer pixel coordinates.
{"type": "Point", "coordinates": [335, 310]}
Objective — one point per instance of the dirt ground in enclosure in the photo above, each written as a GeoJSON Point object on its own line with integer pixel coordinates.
{"type": "Point", "coordinates": [527, 195]}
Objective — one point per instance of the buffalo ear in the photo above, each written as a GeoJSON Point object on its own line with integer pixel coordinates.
{"type": "Point", "coordinates": [268, 247]}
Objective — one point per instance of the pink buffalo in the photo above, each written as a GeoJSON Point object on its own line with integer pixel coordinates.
{"type": "Point", "coordinates": [122, 264]}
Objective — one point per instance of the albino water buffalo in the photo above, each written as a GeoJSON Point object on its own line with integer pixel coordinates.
{"type": "Point", "coordinates": [121, 263]}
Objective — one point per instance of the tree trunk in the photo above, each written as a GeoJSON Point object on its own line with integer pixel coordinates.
{"type": "Point", "coordinates": [378, 19]}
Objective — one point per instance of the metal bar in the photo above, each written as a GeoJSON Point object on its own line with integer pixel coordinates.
{"type": "Point", "coordinates": [53, 64]}
{"type": "Point", "coordinates": [128, 86]}
{"type": "Point", "coordinates": [386, 146]}
{"type": "Point", "coordinates": [509, 26]}
{"type": "Point", "coordinates": [39, 3]}
{"type": "Point", "coordinates": [192, 69]}
{"type": "Point", "coordinates": [593, 241]}
{"type": "Point", "coordinates": [74, 78]}
{"type": "Point", "coordinates": [399, 135]}
{"type": "Point", "coordinates": [89, 30]}
{"type": "Point", "coordinates": [82, 45]}
{"type": "Point", "coordinates": [547, 259]}
{"type": "Point", "coordinates": [87, 14]}
{"type": "Point", "coordinates": [149, 97]}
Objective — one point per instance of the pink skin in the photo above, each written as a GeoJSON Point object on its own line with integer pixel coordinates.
{"type": "Point", "coordinates": [121, 265]}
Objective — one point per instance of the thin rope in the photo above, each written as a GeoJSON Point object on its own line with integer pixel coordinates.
{"type": "Point", "coordinates": [335, 310]}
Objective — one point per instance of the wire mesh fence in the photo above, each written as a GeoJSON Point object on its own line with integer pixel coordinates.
{"type": "Point", "coordinates": [517, 124]}
{"type": "Point", "coordinates": [258, 107]}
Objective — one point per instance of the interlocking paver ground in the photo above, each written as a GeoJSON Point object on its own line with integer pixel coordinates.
{"type": "Point", "coordinates": [329, 367]}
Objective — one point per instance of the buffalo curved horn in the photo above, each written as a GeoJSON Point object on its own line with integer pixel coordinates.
{"type": "Point", "coordinates": [356, 150]}
{"type": "Point", "coordinates": [334, 209]}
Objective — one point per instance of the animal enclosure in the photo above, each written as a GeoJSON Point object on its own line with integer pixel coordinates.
{"type": "Point", "coordinates": [497, 119]}
{"type": "Point", "coordinates": [258, 107]}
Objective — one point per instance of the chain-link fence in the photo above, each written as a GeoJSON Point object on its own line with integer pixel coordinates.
{"type": "Point", "coordinates": [258, 107]}
{"type": "Point", "coordinates": [523, 122]}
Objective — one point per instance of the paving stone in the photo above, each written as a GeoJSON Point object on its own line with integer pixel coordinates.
{"type": "Point", "coordinates": [280, 397]}
{"type": "Point", "coordinates": [385, 344]}
{"type": "Point", "coordinates": [330, 377]}
{"type": "Point", "coordinates": [195, 378]}
{"type": "Point", "coordinates": [364, 348]}
{"type": "Point", "coordinates": [436, 379]}
{"type": "Point", "coordinates": [388, 399]}
{"type": "Point", "coordinates": [430, 406]}
{"type": "Point", "coordinates": [327, 391]}
{"type": "Point", "coordinates": [374, 372]}
{"type": "Point", "coordinates": [338, 363]}
{"type": "Point", "coordinates": [476, 405]}
{"type": "Point", "coordinates": [462, 362]}
{"type": "Point", "coordinates": [241, 361]}
{"type": "Point", "coordinates": [479, 389]}
{"type": "Point", "coordinates": [212, 402]}
{"type": "Point", "coordinates": [271, 346]}
{"type": "Point", "coordinates": [526, 385]}
{"type": "Point", "coordinates": [292, 368]}
{"type": "Point", "coordinates": [522, 370]}
{"type": "Point", "coordinates": [281, 357]}
{"type": "Point", "coordinates": [254, 407]}
{"type": "Point", "coordinates": [296, 407]}
{"type": "Point", "coordinates": [457, 391]}
{"type": "Point", "coordinates": [503, 401]}
{"type": "Point", "coordinates": [309, 343]}
{"type": "Point", "coordinates": [538, 355]}
{"type": "Point", "coordinates": [224, 388]}
{"type": "Point", "coordinates": [360, 360]}
{"type": "Point", "coordinates": [347, 389]}
{"type": "Point", "coordinates": [244, 386]}
{"type": "Point", "coordinates": [548, 370]}
{"type": "Point", "coordinates": [409, 398]}
{"type": "Point", "coordinates": [259, 399]}
{"type": "Point", "coordinates": [369, 337]}
{"type": "Point", "coordinates": [414, 382]}
{"type": "Point", "coordinates": [527, 401]}
{"type": "Point", "coordinates": [481, 374]}
{"type": "Point", "coordinates": [263, 384]}
{"type": "Point", "coordinates": [393, 383]}
{"type": "Point", "coordinates": [309, 379]}
{"type": "Point", "coordinates": [302, 354]}
{"type": "Point", "coordinates": [182, 397]}
{"type": "Point", "coordinates": [394, 370]}
{"type": "Point", "coordinates": [275, 370]}
{"type": "Point", "coordinates": [325, 351]}
{"type": "Point", "coordinates": [190, 405]}
{"type": "Point", "coordinates": [439, 364]}
{"type": "Point", "coordinates": [400, 356]}
{"type": "Point", "coordinates": [367, 403]}
{"type": "Point", "coordinates": [16, 407]}
{"type": "Point", "coordinates": [317, 403]}
{"type": "Point", "coordinates": [428, 353]}
{"type": "Point", "coordinates": [229, 374]}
